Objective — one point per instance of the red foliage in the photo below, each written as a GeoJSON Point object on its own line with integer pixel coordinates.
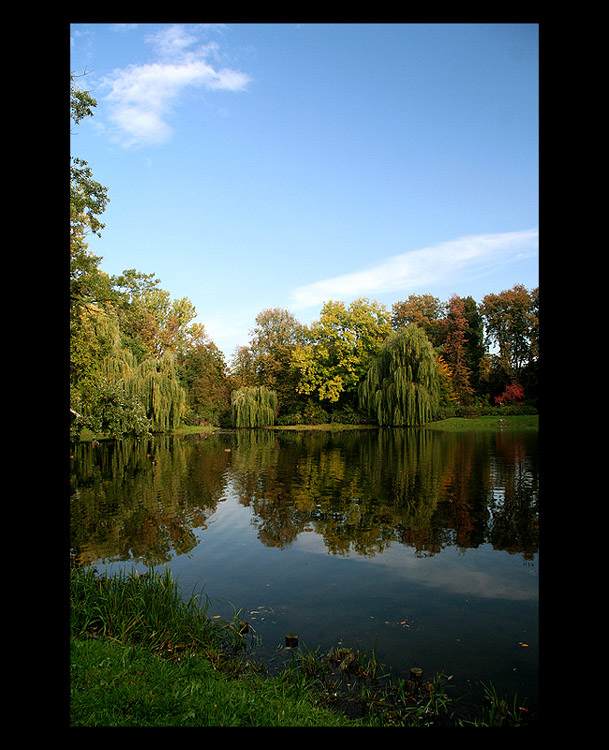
{"type": "Point", "coordinates": [513, 393]}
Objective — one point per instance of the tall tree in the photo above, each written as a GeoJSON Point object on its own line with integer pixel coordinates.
{"type": "Point", "coordinates": [402, 386]}
{"type": "Point", "coordinates": [274, 339]}
{"type": "Point", "coordinates": [150, 318]}
{"type": "Point", "coordinates": [203, 374]}
{"type": "Point", "coordinates": [456, 327]}
{"type": "Point", "coordinates": [89, 287]}
{"type": "Point", "coordinates": [339, 348]}
{"type": "Point", "coordinates": [424, 310]}
{"type": "Point", "coordinates": [475, 349]}
{"type": "Point", "coordinates": [512, 323]}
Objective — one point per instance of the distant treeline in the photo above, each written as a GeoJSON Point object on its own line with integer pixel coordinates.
{"type": "Point", "coordinates": [138, 362]}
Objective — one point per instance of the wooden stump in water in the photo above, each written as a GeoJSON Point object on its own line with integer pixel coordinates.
{"type": "Point", "coordinates": [291, 640]}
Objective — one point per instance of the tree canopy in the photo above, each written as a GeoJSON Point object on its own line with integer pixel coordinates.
{"type": "Point", "coordinates": [339, 347]}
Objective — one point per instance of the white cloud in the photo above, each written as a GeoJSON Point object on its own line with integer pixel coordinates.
{"type": "Point", "coordinates": [142, 95]}
{"type": "Point", "coordinates": [416, 268]}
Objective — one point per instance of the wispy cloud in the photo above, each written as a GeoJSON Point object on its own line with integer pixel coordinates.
{"type": "Point", "coordinates": [141, 96]}
{"type": "Point", "coordinates": [418, 268]}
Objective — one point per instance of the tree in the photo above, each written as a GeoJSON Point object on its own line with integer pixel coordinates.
{"type": "Point", "coordinates": [446, 389]}
{"type": "Point", "coordinates": [339, 349]}
{"type": "Point", "coordinates": [425, 311]}
{"type": "Point", "coordinates": [402, 386]}
{"type": "Point", "coordinates": [454, 348]}
{"type": "Point", "coordinates": [274, 339]}
{"type": "Point", "coordinates": [242, 371]}
{"type": "Point", "coordinates": [158, 387]}
{"type": "Point", "coordinates": [112, 392]}
{"type": "Point", "coordinates": [513, 394]}
{"type": "Point", "coordinates": [475, 350]}
{"type": "Point", "coordinates": [253, 407]}
{"type": "Point", "coordinates": [88, 200]}
{"type": "Point", "coordinates": [512, 323]}
{"type": "Point", "coordinates": [203, 374]}
{"type": "Point", "coordinates": [150, 319]}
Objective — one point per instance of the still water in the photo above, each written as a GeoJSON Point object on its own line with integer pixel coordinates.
{"type": "Point", "coordinates": [422, 545]}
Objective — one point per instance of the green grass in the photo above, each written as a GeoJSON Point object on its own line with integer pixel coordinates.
{"type": "Point", "coordinates": [487, 423]}
{"type": "Point", "coordinates": [143, 656]}
{"type": "Point", "coordinates": [124, 684]}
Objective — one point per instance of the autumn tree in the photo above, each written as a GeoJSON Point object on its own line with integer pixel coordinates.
{"type": "Point", "coordinates": [151, 321]}
{"type": "Point", "coordinates": [339, 348]}
{"type": "Point", "coordinates": [423, 310]}
{"type": "Point", "coordinates": [454, 349]}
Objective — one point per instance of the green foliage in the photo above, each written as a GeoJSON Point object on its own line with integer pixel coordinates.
{"type": "Point", "coordinates": [113, 393]}
{"type": "Point", "coordinates": [401, 387]}
{"type": "Point", "coordinates": [159, 388]}
{"type": "Point", "coordinates": [512, 324]}
{"type": "Point", "coordinates": [203, 375]}
{"type": "Point", "coordinates": [339, 349]}
{"type": "Point", "coordinates": [253, 407]}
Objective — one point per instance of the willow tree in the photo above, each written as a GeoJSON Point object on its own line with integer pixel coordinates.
{"type": "Point", "coordinates": [110, 391]}
{"type": "Point", "coordinates": [401, 387]}
{"type": "Point", "coordinates": [158, 387]}
{"type": "Point", "coordinates": [253, 407]}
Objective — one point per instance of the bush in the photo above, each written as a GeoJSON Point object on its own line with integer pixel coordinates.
{"type": "Point", "coordinates": [512, 394]}
{"type": "Point", "coordinates": [484, 410]}
{"type": "Point", "coordinates": [288, 419]}
{"type": "Point", "coordinates": [349, 415]}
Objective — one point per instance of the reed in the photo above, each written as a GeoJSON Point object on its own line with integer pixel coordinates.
{"type": "Point", "coordinates": [144, 608]}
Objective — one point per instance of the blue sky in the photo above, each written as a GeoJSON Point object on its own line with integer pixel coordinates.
{"type": "Point", "coordinates": [253, 166]}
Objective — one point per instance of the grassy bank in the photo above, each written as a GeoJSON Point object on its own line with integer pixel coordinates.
{"type": "Point", "coordinates": [454, 424]}
{"type": "Point", "coordinates": [487, 423]}
{"type": "Point", "coordinates": [140, 655]}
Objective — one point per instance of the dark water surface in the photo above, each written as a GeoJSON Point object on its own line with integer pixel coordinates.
{"type": "Point", "coordinates": [422, 545]}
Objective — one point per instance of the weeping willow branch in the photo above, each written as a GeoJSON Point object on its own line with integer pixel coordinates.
{"type": "Point", "coordinates": [401, 387]}
{"type": "Point", "coordinates": [253, 407]}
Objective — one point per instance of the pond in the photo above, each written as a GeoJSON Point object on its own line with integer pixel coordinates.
{"type": "Point", "coordinates": [418, 544]}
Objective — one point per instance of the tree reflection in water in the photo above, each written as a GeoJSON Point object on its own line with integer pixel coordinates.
{"type": "Point", "coordinates": [148, 500]}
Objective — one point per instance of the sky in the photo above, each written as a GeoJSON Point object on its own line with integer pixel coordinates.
{"type": "Point", "coordinates": [255, 166]}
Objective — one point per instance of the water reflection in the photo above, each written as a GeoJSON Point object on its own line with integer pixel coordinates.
{"type": "Point", "coordinates": [360, 491]}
